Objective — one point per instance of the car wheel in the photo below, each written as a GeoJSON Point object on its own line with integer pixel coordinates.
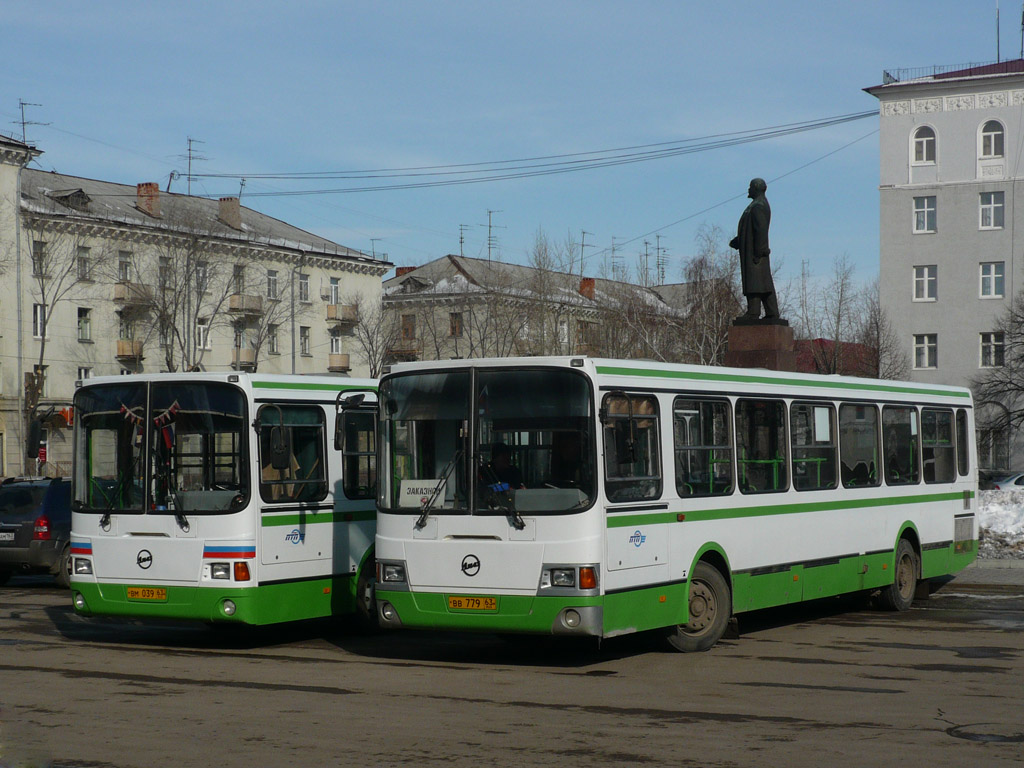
{"type": "Point", "coordinates": [64, 567]}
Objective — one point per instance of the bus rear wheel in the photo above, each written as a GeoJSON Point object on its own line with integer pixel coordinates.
{"type": "Point", "coordinates": [899, 595]}
{"type": "Point", "coordinates": [710, 608]}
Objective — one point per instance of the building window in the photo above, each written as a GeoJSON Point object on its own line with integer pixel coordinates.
{"type": "Point", "coordinates": [84, 324]}
{"type": "Point", "coordinates": [992, 346]}
{"type": "Point", "coordinates": [926, 283]}
{"type": "Point", "coordinates": [126, 328]}
{"type": "Point", "coordinates": [84, 373]}
{"type": "Point", "coordinates": [38, 258]}
{"type": "Point", "coordinates": [272, 340]}
{"type": "Point", "coordinates": [455, 324]}
{"type": "Point", "coordinates": [164, 273]}
{"type": "Point", "coordinates": [992, 280]}
{"type": "Point", "coordinates": [335, 297]}
{"type": "Point", "coordinates": [924, 145]}
{"type": "Point", "coordinates": [304, 339]}
{"type": "Point", "coordinates": [926, 350]}
{"type": "Point", "coordinates": [335, 344]}
{"type": "Point", "coordinates": [202, 276]}
{"type": "Point", "coordinates": [408, 327]}
{"type": "Point", "coordinates": [924, 214]}
{"type": "Point", "coordinates": [271, 283]}
{"type": "Point", "coordinates": [203, 333]}
{"type": "Point", "coordinates": [38, 320]}
{"type": "Point", "coordinates": [84, 263]}
{"type": "Point", "coordinates": [303, 287]}
{"type": "Point", "coordinates": [991, 210]}
{"type": "Point", "coordinates": [127, 372]}
{"type": "Point", "coordinates": [124, 266]}
{"type": "Point", "coordinates": [992, 139]}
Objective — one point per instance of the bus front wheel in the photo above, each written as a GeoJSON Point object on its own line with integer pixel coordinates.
{"type": "Point", "coordinates": [899, 595]}
{"type": "Point", "coordinates": [710, 608]}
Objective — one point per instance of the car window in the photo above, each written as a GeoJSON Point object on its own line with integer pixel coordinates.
{"type": "Point", "coordinates": [18, 500]}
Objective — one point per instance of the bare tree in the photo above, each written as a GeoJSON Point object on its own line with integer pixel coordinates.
{"type": "Point", "coordinates": [1003, 380]}
{"type": "Point", "coordinates": [712, 298]}
{"type": "Point", "coordinates": [377, 332]}
{"type": "Point", "coordinates": [883, 355]}
{"type": "Point", "coordinates": [60, 264]}
{"type": "Point", "coordinates": [827, 316]}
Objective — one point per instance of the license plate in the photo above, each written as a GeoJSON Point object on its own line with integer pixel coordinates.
{"type": "Point", "coordinates": [6, 535]}
{"type": "Point", "coordinates": [464, 603]}
{"type": "Point", "coordinates": [147, 593]}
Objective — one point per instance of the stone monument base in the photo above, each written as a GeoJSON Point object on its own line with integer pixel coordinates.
{"type": "Point", "coordinates": [761, 346]}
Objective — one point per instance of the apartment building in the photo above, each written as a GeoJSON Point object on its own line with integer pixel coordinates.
{"type": "Point", "coordinates": [951, 147]}
{"type": "Point", "coordinates": [101, 278]}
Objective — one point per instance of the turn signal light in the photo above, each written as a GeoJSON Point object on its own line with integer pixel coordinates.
{"type": "Point", "coordinates": [588, 578]}
{"type": "Point", "coordinates": [241, 571]}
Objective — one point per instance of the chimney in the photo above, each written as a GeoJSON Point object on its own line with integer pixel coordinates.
{"type": "Point", "coordinates": [587, 287]}
{"type": "Point", "coordinates": [147, 198]}
{"type": "Point", "coordinates": [399, 271]}
{"type": "Point", "coordinates": [231, 212]}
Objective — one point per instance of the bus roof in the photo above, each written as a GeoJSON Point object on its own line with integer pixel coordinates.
{"type": "Point", "coordinates": [256, 381]}
{"type": "Point", "coordinates": [648, 373]}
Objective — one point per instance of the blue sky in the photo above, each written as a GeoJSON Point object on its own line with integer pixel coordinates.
{"type": "Point", "coordinates": [315, 86]}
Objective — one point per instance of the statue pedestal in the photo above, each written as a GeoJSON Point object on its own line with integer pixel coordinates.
{"type": "Point", "coordinates": [761, 346]}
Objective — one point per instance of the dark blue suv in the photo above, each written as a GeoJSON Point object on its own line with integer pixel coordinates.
{"type": "Point", "coordinates": [35, 527]}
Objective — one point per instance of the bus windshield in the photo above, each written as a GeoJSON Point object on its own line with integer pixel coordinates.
{"type": "Point", "coordinates": [490, 441]}
{"type": "Point", "coordinates": [193, 435]}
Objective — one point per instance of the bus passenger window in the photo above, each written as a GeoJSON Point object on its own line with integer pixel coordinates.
{"type": "Point", "coordinates": [761, 464]}
{"type": "Point", "coordinates": [937, 447]}
{"type": "Point", "coordinates": [858, 445]}
{"type": "Point", "coordinates": [900, 438]}
{"type": "Point", "coordinates": [703, 447]}
{"type": "Point", "coordinates": [813, 433]}
{"type": "Point", "coordinates": [963, 463]}
{"type": "Point", "coordinates": [632, 464]}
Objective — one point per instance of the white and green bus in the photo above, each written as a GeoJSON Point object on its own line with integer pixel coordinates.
{"type": "Point", "coordinates": [577, 496]}
{"type": "Point", "coordinates": [228, 497]}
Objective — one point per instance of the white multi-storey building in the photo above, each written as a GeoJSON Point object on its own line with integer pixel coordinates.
{"type": "Point", "coordinates": [101, 278]}
{"type": "Point", "coordinates": [952, 140]}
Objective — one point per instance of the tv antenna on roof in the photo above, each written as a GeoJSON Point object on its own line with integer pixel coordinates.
{"type": "Point", "coordinates": [22, 104]}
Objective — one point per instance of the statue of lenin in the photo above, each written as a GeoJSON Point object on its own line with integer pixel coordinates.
{"type": "Point", "coordinates": [755, 270]}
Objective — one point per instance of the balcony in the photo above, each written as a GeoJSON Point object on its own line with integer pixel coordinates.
{"type": "Point", "coordinates": [337, 363]}
{"type": "Point", "coordinates": [243, 359]}
{"type": "Point", "coordinates": [129, 349]}
{"type": "Point", "coordinates": [342, 314]}
{"type": "Point", "coordinates": [245, 304]}
{"type": "Point", "coordinates": [131, 293]}
{"type": "Point", "coordinates": [404, 349]}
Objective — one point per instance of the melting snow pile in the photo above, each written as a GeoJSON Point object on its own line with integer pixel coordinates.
{"type": "Point", "coordinates": [1001, 519]}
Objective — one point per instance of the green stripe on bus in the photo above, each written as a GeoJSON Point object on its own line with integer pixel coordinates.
{"type": "Point", "coordinates": [313, 517]}
{"type": "Point", "coordinates": [310, 386]}
{"type": "Point", "coordinates": [701, 515]}
{"type": "Point", "coordinates": [267, 604]}
{"type": "Point", "coordinates": [770, 380]}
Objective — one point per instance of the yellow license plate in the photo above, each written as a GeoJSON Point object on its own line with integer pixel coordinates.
{"type": "Point", "coordinates": [463, 603]}
{"type": "Point", "coordinates": [147, 593]}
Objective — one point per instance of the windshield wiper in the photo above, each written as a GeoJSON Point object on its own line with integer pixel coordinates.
{"type": "Point", "coordinates": [429, 503]}
{"type": "Point", "coordinates": [496, 486]}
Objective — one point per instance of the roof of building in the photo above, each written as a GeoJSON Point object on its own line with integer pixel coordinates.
{"type": "Point", "coordinates": [462, 275]}
{"type": "Point", "coordinates": [49, 193]}
{"type": "Point", "coordinates": [896, 78]}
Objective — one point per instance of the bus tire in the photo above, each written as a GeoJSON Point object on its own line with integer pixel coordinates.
{"type": "Point", "coordinates": [710, 610]}
{"type": "Point", "coordinates": [899, 595]}
{"type": "Point", "coordinates": [63, 573]}
{"type": "Point", "coordinates": [366, 603]}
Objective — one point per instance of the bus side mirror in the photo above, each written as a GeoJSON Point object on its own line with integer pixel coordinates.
{"type": "Point", "coordinates": [280, 448]}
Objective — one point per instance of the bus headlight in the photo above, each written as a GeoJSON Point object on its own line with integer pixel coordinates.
{"type": "Point", "coordinates": [392, 573]}
{"type": "Point", "coordinates": [228, 606]}
{"type": "Point", "coordinates": [79, 601]}
{"type": "Point", "coordinates": [220, 570]}
{"type": "Point", "coordinates": [83, 566]}
{"type": "Point", "coordinates": [563, 577]}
